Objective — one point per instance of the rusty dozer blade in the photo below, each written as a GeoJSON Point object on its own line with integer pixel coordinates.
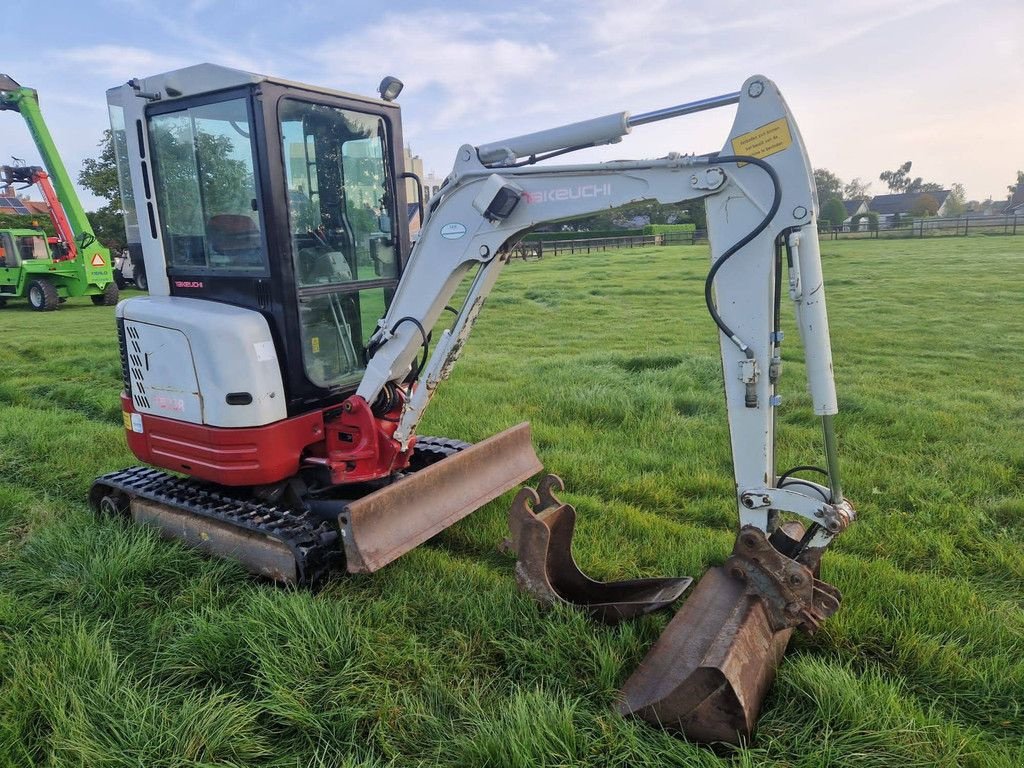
{"type": "Point", "coordinates": [542, 528]}
{"type": "Point", "coordinates": [707, 674]}
{"type": "Point", "coordinates": [386, 524]}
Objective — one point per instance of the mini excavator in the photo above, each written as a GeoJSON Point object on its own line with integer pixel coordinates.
{"type": "Point", "coordinates": [275, 375]}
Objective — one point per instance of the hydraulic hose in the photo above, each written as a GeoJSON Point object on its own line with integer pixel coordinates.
{"type": "Point", "coordinates": [720, 261]}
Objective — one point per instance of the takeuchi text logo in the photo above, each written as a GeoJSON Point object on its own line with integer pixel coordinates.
{"type": "Point", "coordinates": [578, 192]}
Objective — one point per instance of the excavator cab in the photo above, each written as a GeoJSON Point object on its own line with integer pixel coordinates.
{"type": "Point", "coordinates": [268, 195]}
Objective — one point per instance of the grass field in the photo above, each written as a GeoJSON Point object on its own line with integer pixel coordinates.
{"type": "Point", "coordinates": [118, 649]}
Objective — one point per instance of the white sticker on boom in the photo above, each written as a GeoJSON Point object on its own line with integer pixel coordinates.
{"type": "Point", "coordinates": [264, 351]}
{"type": "Point", "coordinates": [453, 231]}
{"type": "Point", "coordinates": [137, 423]}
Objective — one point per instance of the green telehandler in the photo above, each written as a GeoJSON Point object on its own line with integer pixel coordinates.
{"type": "Point", "coordinates": [45, 270]}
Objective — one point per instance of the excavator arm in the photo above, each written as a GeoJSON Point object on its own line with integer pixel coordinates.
{"type": "Point", "coordinates": [709, 671]}
{"type": "Point", "coordinates": [759, 194]}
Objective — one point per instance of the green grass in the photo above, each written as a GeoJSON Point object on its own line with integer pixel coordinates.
{"type": "Point", "coordinates": [119, 649]}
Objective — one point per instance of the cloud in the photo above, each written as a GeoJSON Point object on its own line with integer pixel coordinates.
{"type": "Point", "coordinates": [119, 62]}
{"type": "Point", "coordinates": [465, 57]}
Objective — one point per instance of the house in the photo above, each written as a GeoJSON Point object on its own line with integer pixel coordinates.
{"type": "Point", "coordinates": [904, 204]}
{"type": "Point", "coordinates": [854, 208]}
{"type": "Point", "coordinates": [1015, 205]}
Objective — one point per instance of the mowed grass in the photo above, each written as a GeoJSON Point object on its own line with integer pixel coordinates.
{"type": "Point", "coordinates": [119, 649]}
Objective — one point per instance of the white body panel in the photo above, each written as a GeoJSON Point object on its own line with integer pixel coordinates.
{"type": "Point", "coordinates": [162, 374]}
{"type": "Point", "coordinates": [199, 352]}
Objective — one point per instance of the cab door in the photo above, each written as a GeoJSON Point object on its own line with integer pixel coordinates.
{"type": "Point", "coordinates": [207, 189]}
{"type": "Point", "coordinates": [9, 266]}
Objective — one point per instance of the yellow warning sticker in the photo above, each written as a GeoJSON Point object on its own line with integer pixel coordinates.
{"type": "Point", "coordinates": [315, 343]}
{"type": "Point", "coordinates": [766, 140]}
{"type": "Point", "coordinates": [97, 261]}
{"type": "Point", "coordinates": [127, 420]}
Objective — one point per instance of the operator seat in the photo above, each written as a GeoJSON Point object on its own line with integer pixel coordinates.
{"type": "Point", "coordinates": [235, 239]}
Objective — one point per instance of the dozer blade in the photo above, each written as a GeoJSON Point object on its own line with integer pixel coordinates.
{"type": "Point", "coordinates": [709, 671]}
{"type": "Point", "coordinates": [385, 524]}
{"type": "Point", "coordinates": [542, 528]}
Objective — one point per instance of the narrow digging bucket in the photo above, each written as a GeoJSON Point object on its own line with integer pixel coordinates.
{"type": "Point", "coordinates": [542, 529]}
{"type": "Point", "coordinates": [386, 524]}
{"type": "Point", "coordinates": [708, 673]}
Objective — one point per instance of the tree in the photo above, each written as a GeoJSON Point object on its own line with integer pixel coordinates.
{"type": "Point", "coordinates": [827, 184]}
{"type": "Point", "coordinates": [834, 212]}
{"type": "Point", "coordinates": [690, 212]}
{"type": "Point", "coordinates": [856, 189]}
{"type": "Point", "coordinates": [1018, 187]}
{"type": "Point", "coordinates": [99, 176]}
{"type": "Point", "coordinates": [956, 200]}
{"type": "Point", "coordinates": [926, 205]}
{"type": "Point", "coordinates": [897, 180]}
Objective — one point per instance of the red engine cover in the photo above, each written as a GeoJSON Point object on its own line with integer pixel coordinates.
{"type": "Point", "coordinates": [348, 439]}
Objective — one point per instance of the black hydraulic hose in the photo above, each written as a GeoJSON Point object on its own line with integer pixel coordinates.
{"type": "Point", "coordinates": [802, 468]}
{"type": "Point", "coordinates": [720, 261]}
{"type": "Point", "coordinates": [777, 299]}
{"type": "Point", "coordinates": [415, 372]}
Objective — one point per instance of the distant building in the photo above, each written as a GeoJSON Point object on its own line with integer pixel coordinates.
{"type": "Point", "coordinates": [854, 208]}
{"type": "Point", "coordinates": [431, 183]}
{"type": "Point", "coordinates": [1016, 202]}
{"type": "Point", "coordinates": [889, 206]}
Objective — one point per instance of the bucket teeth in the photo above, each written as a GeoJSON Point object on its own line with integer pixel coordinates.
{"type": "Point", "coordinates": [542, 528]}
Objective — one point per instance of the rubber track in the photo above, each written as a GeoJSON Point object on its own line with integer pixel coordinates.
{"type": "Point", "coordinates": [312, 541]}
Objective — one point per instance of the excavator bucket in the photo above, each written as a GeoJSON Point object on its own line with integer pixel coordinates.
{"type": "Point", "coordinates": [542, 528]}
{"type": "Point", "coordinates": [385, 524]}
{"type": "Point", "coordinates": [707, 674]}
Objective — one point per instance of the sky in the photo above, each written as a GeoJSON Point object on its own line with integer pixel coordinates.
{"type": "Point", "coordinates": [871, 83]}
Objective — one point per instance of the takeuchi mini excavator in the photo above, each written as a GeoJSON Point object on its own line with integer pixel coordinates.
{"type": "Point", "coordinates": [275, 376]}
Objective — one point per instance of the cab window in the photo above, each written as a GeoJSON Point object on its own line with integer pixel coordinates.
{"type": "Point", "coordinates": [32, 247]}
{"type": "Point", "coordinates": [343, 232]}
{"type": "Point", "coordinates": [205, 186]}
{"type": "Point", "coordinates": [8, 256]}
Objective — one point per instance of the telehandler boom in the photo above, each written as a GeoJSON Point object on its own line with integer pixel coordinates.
{"type": "Point", "coordinates": [84, 268]}
{"type": "Point", "coordinates": [284, 356]}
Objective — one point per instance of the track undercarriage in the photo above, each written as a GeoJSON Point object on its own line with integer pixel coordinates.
{"type": "Point", "coordinates": [298, 538]}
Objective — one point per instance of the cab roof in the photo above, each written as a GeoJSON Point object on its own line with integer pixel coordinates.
{"type": "Point", "coordinates": [209, 78]}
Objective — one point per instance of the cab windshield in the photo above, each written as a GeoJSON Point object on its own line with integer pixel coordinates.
{"type": "Point", "coordinates": [33, 247]}
{"type": "Point", "coordinates": [341, 206]}
{"type": "Point", "coordinates": [15, 250]}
